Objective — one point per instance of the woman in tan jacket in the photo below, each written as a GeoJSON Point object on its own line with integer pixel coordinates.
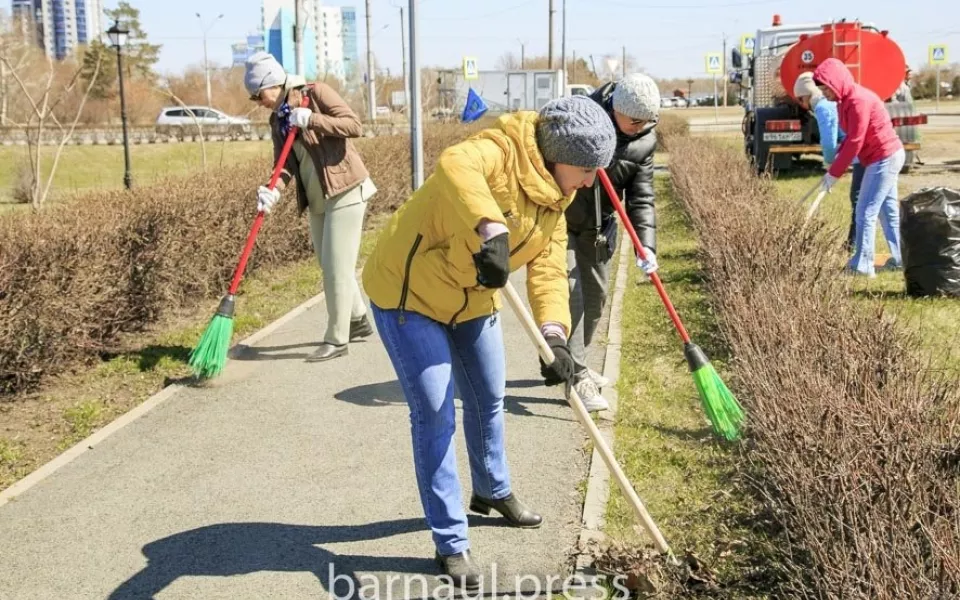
{"type": "Point", "coordinates": [332, 184]}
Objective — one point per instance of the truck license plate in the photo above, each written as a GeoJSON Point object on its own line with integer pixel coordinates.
{"type": "Point", "coordinates": [785, 136]}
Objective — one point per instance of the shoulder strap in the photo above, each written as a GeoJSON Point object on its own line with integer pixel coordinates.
{"type": "Point", "coordinates": [596, 205]}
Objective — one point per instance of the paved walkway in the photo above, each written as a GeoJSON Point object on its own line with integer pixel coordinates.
{"type": "Point", "coordinates": [283, 480]}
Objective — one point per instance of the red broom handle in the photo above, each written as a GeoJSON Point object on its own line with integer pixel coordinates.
{"type": "Point", "coordinates": [252, 236]}
{"type": "Point", "coordinates": [655, 277]}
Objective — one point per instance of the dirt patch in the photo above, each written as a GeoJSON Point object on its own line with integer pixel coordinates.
{"type": "Point", "coordinates": [912, 182]}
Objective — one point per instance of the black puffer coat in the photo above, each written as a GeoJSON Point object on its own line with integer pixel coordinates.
{"type": "Point", "coordinates": [631, 173]}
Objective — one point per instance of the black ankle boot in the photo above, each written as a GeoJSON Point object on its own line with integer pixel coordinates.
{"type": "Point", "coordinates": [461, 568]}
{"type": "Point", "coordinates": [510, 507]}
{"type": "Point", "coordinates": [360, 328]}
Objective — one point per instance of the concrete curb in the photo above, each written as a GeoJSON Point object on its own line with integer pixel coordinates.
{"type": "Point", "coordinates": [598, 480]}
{"type": "Point", "coordinates": [91, 441]}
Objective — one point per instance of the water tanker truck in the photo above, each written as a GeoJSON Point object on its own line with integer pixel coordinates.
{"type": "Point", "coordinates": [776, 130]}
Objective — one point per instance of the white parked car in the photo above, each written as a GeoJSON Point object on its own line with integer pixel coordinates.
{"type": "Point", "coordinates": [179, 121]}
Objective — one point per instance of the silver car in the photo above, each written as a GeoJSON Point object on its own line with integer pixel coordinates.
{"type": "Point", "coordinates": [178, 121]}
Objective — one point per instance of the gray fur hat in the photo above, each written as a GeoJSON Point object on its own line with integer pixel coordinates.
{"type": "Point", "coordinates": [262, 71]}
{"type": "Point", "coordinates": [576, 131]}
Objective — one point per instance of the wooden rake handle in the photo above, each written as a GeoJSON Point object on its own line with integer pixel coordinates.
{"type": "Point", "coordinates": [816, 204]}
{"type": "Point", "coordinates": [575, 403]}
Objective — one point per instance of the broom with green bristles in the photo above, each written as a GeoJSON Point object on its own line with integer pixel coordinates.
{"type": "Point", "coordinates": [210, 356]}
{"type": "Point", "coordinates": [719, 404]}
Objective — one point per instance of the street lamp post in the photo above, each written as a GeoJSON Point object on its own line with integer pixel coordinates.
{"type": "Point", "coordinates": [206, 64]}
{"type": "Point", "coordinates": [118, 38]}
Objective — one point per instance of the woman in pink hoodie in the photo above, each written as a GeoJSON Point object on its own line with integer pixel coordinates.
{"type": "Point", "coordinates": [872, 139]}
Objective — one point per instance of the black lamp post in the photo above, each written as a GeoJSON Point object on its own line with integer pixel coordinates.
{"type": "Point", "coordinates": [118, 38]}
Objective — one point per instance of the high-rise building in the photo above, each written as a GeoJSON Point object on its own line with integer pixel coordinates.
{"type": "Point", "coordinates": [279, 19]}
{"type": "Point", "coordinates": [61, 25]}
{"type": "Point", "coordinates": [329, 40]}
{"type": "Point", "coordinates": [351, 57]}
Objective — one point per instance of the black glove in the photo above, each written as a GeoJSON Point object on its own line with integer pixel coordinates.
{"type": "Point", "coordinates": [562, 369]}
{"type": "Point", "coordinates": [493, 261]}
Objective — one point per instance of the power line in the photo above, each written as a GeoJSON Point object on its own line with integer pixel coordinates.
{"type": "Point", "coordinates": [686, 6]}
{"type": "Point", "coordinates": [483, 16]}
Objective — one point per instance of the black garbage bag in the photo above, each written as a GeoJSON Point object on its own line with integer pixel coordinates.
{"type": "Point", "coordinates": [930, 242]}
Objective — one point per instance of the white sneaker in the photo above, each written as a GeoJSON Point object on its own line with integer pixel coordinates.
{"type": "Point", "coordinates": [590, 396]}
{"type": "Point", "coordinates": [598, 379]}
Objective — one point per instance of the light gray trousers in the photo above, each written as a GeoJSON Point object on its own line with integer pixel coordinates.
{"type": "Point", "coordinates": [588, 280]}
{"type": "Point", "coordinates": [336, 227]}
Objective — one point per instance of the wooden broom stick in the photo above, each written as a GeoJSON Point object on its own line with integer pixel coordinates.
{"type": "Point", "coordinates": [577, 405]}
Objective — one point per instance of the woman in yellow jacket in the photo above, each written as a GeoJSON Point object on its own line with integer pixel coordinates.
{"type": "Point", "coordinates": [495, 203]}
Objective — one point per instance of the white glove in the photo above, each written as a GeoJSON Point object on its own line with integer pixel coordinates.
{"type": "Point", "coordinates": [828, 182]}
{"type": "Point", "coordinates": [266, 198]}
{"type": "Point", "coordinates": [649, 265]}
{"type": "Point", "coordinates": [300, 117]}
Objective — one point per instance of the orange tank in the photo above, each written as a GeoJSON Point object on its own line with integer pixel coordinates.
{"type": "Point", "coordinates": [875, 61]}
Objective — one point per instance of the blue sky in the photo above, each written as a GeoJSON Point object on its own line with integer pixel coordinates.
{"type": "Point", "coordinates": [669, 39]}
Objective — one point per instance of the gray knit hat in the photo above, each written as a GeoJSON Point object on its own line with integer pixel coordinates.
{"type": "Point", "coordinates": [638, 97]}
{"type": "Point", "coordinates": [262, 71]}
{"type": "Point", "coordinates": [576, 131]}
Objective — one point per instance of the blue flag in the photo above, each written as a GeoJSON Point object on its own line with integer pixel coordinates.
{"type": "Point", "coordinates": [474, 108]}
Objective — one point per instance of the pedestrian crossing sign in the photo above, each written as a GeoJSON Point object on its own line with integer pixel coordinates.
{"type": "Point", "coordinates": [470, 69]}
{"type": "Point", "coordinates": [714, 63]}
{"type": "Point", "coordinates": [938, 54]}
{"type": "Point", "coordinates": [747, 43]}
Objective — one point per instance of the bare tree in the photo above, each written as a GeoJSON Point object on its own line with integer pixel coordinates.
{"type": "Point", "coordinates": [13, 44]}
{"type": "Point", "coordinates": [508, 61]}
{"type": "Point", "coordinates": [41, 117]}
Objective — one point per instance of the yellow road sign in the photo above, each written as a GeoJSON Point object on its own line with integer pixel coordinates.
{"type": "Point", "coordinates": [714, 63]}
{"type": "Point", "coordinates": [938, 54]}
{"type": "Point", "coordinates": [470, 69]}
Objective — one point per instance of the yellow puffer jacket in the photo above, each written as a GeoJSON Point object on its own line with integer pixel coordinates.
{"type": "Point", "coordinates": [423, 261]}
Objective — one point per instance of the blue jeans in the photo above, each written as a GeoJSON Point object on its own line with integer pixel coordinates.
{"type": "Point", "coordinates": [855, 184]}
{"type": "Point", "coordinates": [428, 358]}
{"type": "Point", "coordinates": [878, 197]}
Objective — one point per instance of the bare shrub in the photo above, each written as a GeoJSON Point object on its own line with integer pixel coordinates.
{"type": "Point", "coordinates": [670, 126]}
{"type": "Point", "coordinates": [23, 183]}
{"type": "Point", "coordinates": [853, 437]}
{"type": "Point", "coordinates": [74, 278]}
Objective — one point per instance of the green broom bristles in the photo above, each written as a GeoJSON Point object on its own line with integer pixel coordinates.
{"type": "Point", "coordinates": [719, 403]}
{"type": "Point", "coordinates": [210, 356]}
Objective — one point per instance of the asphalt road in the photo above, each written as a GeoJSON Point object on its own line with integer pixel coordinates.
{"type": "Point", "coordinates": [283, 480]}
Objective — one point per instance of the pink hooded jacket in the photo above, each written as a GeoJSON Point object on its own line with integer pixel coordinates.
{"type": "Point", "coordinates": [863, 117]}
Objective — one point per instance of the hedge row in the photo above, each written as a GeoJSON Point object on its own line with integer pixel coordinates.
{"type": "Point", "coordinates": [72, 278]}
{"type": "Point", "coordinates": [854, 438]}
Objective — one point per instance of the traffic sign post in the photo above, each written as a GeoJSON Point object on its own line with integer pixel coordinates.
{"type": "Point", "coordinates": [714, 67]}
{"type": "Point", "coordinates": [937, 56]}
{"type": "Point", "coordinates": [470, 69]}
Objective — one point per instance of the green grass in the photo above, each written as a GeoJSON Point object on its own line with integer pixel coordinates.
{"type": "Point", "coordinates": [83, 168]}
{"type": "Point", "coordinates": [82, 418]}
{"type": "Point", "coordinates": [936, 320]}
{"type": "Point", "coordinates": [685, 475]}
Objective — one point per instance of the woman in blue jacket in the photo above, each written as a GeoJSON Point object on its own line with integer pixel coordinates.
{"type": "Point", "coordinates": [828, 122]}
